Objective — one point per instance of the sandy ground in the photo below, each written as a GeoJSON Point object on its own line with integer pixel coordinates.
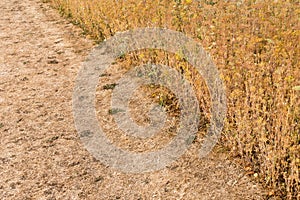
{"type": "Point", "coordinates": [41, 155]}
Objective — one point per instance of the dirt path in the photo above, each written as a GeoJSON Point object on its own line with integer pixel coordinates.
{"type": "Point", "coordinates": [41, 156]}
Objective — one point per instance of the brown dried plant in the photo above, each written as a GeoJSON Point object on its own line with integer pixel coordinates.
{"type": "Point", "coordinates": [255, 45]}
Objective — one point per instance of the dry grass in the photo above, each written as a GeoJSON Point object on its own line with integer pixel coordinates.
{"type": "Point", "coordinates": [255, 44]}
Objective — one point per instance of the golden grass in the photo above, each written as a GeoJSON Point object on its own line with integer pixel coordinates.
{"type": "Point", "coordinates": [255, 45]}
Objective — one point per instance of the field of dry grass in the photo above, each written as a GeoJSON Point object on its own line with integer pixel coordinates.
{"type": "Point", "coordinates": [255, 45]}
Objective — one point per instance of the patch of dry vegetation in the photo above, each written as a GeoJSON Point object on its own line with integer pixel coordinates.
{"type": "Point", "coordinates": [255, 45]}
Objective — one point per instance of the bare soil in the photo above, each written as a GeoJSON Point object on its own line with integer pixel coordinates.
{"type": "Point", "coordinates": [41, 155]}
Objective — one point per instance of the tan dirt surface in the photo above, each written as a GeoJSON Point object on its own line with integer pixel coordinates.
{"type": "Point", "coordinates": [41, 155]}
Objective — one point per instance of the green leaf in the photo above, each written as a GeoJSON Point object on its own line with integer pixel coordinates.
{"type": "Point", "coordinates": [115, 111]}
{"type": "Point", "coordinates": [109, 86]}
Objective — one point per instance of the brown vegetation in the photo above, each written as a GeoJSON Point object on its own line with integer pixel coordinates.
{"type": "Point", "coordinates": [255, 45]}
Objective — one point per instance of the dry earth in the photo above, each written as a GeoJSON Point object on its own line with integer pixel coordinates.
{"type": "Point", "coordinates": [41, 155]}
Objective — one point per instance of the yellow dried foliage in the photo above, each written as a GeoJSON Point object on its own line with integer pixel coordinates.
{"type": "Point", "coordinates": [255, 45]}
